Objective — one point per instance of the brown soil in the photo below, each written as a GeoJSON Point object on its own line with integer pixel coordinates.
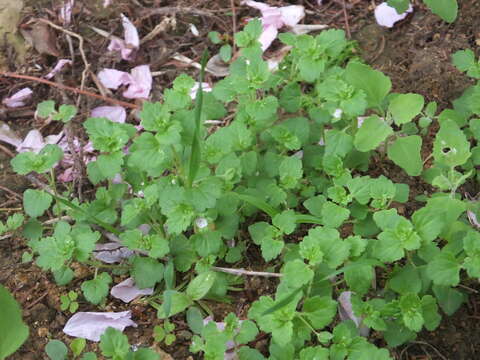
{"type": "Point", "coordinates": [415, 54]}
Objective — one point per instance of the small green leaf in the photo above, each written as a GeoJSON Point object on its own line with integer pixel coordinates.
{"type": "Point", "coordinates": [375, 84]}
{"type": "Point", "coordinates": [195, 320]}
{"type": "Point", "coordinates": [96, 290]}
{"type": "Point", "coordinates": [13, 331]}
{"type": "Point", "coordinates": [404, 107]}
{"type": "Point", "coordinates": [225, 53]}
{"type": "Point", "coordinates": [400, 5]}
{"type": "Point", "coordinates": [46, 108]}
{"type": "Point", "coordinates": [77, 345]}
{"type": "Point", "coordinates": [146, 272]}
{"type": "Point", "coordinates": [405, 152]}
{"type": "Point", "coordinates": [371, 134]}
{"type": "Point", "coordinates": [296, 273]}
{"type": "Point", "coordinates": [199, 287]}
{"type": "Point", "coordinates": [36, 202]}
{"type": "Point", "coordinates": [444, 269]}
{"type": "Point", "coordinates": [451, 147]}
{"type": "Point", "coordinates": [446, 9]}
{"type": "Point", "coordinates": [114, 344]}
{"type": "Point", "coordinates": [56, 350]}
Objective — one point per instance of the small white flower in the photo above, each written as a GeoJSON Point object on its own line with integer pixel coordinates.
{"type": "Point", "coordinates": [337, 114]}
{"type": "Point", "coordinates": [201, 223]}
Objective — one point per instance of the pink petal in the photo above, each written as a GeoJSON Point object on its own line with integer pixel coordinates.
{"type": "Point", "coordinates": [130, 32]}
{"type": "Point", "coordinates": [127, 291]}
{"type": "Point", "coordinates": [113, 79]}
{"type": "Point", "coordinates": [60, 64]}
{"type": "Point", "coordinates": [8, 136]}
{"type": "Point", "coordinates": [291, 15]}
{"type": "Point", "coordinates": [113, 113]}
{"type": "Point", "coordinates": [67, 175]}
{"type": "Point", "coordinates": [106, 3]}
{"type": "Point", "coordinates": [19, 98]}
{"type": "Point", "coordinates": [119, 45]}
{"type": "Point", "coordinates": [268, 35]}
{"type": "Point", "coordinates": [32, 142]}
{"type": "Point", "coordinates": [66, 11]}
{"type": "Point", "coordinates": [258, 5]}
{"type": "Point", "coordinates": [345, 312]}
{"type": "Point", "coordinates": [387, 16]}
{"type": "Point", "coordinates": [140, 84]}
{"type": "Point", "coordinates": [113, 252]}
{"type": "Point", "coordinates": [91, 325]}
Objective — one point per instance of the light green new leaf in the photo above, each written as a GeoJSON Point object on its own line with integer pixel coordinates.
{"type": "Point", "coordinates": [319, 310]}
{"type": "Point", "coordinates": [146, 272]}
{"type": "Point", "coordinates": [405, 152]}
{"type": "Point", "coordinates": [464, 60]}
{"type": "Point", "coordinates": [373, 131]}
{"type": "Point", "coordinates": [13, 331]}
{"type": "Point", "coordinates": [404, 107]}
{"type": "Point", "coordinates": [285, 221]}
{"type": "Point", "coordinates": [296, 273]}
{"type": "Point", "coordinates": [446, 9]}
{"type": "Point", "coordinates": [290, 171]}
{"type": "Point", "coordinates": [35, 202]}
{"type": "Point", "coordinates": [334, 215]}
{"type": "Point", "coordinates": [451, 147]}
{"type": "Point", "coordinates": [375, 84]}
{"type": "Point", "coordinates": [444, 269]}
{"type": "Point", "coordinates": [96, 290]}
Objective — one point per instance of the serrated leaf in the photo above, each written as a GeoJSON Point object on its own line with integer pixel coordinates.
{"type": "Point", "coordinates": [146, 272]}
{"type": "Point", "coordinates": [36, 202]}
{"type": "Point", "coordinates": [96, 290]}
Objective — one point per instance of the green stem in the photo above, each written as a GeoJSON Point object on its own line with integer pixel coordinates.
{"type": "Point", "coordinates": [299, 315]}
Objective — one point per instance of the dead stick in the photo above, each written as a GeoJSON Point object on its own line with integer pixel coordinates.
{"type": "Point", "coordinates": [69, 88]}
{"type": "Point", "coordinates": [240, 272]}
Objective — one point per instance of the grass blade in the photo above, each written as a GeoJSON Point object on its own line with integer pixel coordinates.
{"type": "Point", "coordinates": [195, 154]}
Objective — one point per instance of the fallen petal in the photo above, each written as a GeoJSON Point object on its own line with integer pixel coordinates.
{"type": "Point", "coordinates": [217, 67]}
{"type": "Point", "coordinates": [18, 99]}
{"type": "Point", "coordinates": [291, 15]}
{"type": "Point", "coordinates": [91, 325]}
{"type": "Point", "coordinates": [112, 252]}
{"type": "Point", "coordinates": [345, 312]}
{"type": "Point", "coordinates": [66, 11]}
{"type": "Point", "coordinates": [300, 29]}
{"type": "Point", "coordinates": [130, 32]}
{"type": "Point", "coordinates": [205, 88]}
{"type": "Point", "coordinates": [127, 291]}
{"type": "Point", "coordinates": [33, 142]}
{"type": "Point", "coordinates": [268, 35]}
{"type": "Point", "coordinates": [140, 83]}
{"type": "Point", "coordinates": [472, 217]}
{"type": "Point", "coordinates": [113, 113]}
{"type": "Point", "coordinates": [106, 3]}
{"type": "Point", "coordinates": [60, 64]}
{"type": "Point", "coordinates": [113, 79]}
{"type": "Point", "coordinates": [387, 16]}
{"type": "Point", "coordinates": [8, 136]}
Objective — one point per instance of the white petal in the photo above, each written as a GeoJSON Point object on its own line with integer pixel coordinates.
{"type": "Point", "coordinates": [205, 88]}
{"type": "Point", "coordinates": [113, 79]}
{"type": "Point", "coordinates": [388, 16]}
{"type": "Point", "coordinates": [91, 325]}
{"type": "Point", "coordinates": [268, 35]}
{"type": "Point", "coordinates": [194, 30]}
{"type": "Point", "coordinates": [345, 311]}
{"type": "Point", "coordinates": [113, 252]}
{"type": "Point", "coordinates": [113, 113]}
{"type": "Point", "coordinates": [106, 3]}
{"type": "Point", "coordinates": [60, 64]}
{"type": "Point", "coordinates": [127, 291]}
{"type": "Point", "coordinates": [257, 5]}
{"type": "Point", "coordinates": [8, 136]}
{"type": "Point", "coordinates": [141, 83]}
{"type": "Point", "coordinates": [291, 15]}
{"type": "Point", "coordinates": [32, 142]}
{"type": "Point", "coordinates": [19, 98]}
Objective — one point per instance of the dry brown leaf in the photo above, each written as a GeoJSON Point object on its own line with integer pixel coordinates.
{"type": "Point", "coordinates": [41, 37]}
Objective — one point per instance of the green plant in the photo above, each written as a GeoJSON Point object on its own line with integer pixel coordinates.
{"type": "Point", "coordinates": [13, 331]}
{"type": "Point", "coordinates": [69, 302]}
{"type": "Point", "coordinates": [291, 175]}
{"type": "Point", "coordinates": [113, 345]}
{"type": "Point", "coordinates": [446, 9]}
{"type": "Point", "coordinates": [164, 333]}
